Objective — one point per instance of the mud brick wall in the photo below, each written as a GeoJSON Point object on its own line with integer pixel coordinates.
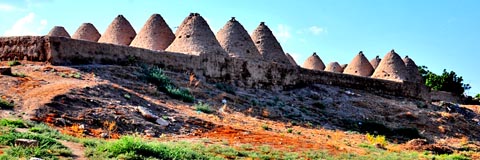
{"type": "Point", "coordinates": [214, 68]}
{"type": "Point", "coordinates": [32, 48]}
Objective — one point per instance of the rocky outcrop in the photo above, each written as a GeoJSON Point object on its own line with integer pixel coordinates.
{"type": "Point", "coordinates": [236, 41]}
{"type": "Point", "coordinates": [58, 31]}
{"type": "Point", "coordinates": [334, 67]}
{"type": "Point", "coordinates": [155, 34]}
{"type": "Point", "coordinates": [314, 63]}
{"type": "Point", "coordinates": [119, 32]}
{"type": "Point", "coordinates": [88, 32]}
{"type": "Point", "coordinates": [194, 37]}
{"type": "Point", "coordinates": [391, 67]}
{"type": "Point", "coordinates": [359, 66]}
{"type": "Point", "coordinates": [268, 45]}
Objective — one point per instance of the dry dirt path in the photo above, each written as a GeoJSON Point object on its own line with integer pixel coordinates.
{"type": "Point", "coordinates": [77, 149]}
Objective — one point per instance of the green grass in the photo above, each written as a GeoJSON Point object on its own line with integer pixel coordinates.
{"type": "Point", "coordinates": [13, 63]}
{"type": "Point", "coordinates": [22, 75]}
{"type": "Point", "coordinates": [47, 146]}
{"type": "Point", "coordinates": [203, 107]}
{"type": "Point", "coordinates": [6, 105]}
{"type": "Point", "coordinates": [156, 76]}
{"type": "Point", "coordinates": [132, 147]}
{"type": "Point", "coordinates": [17, 123]}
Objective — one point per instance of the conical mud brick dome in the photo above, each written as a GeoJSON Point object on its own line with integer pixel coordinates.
{"type": "Point", "coordinates": [359, 66]}
{"type": "Point", "coordinates": [118, 32]}
{"type": "Point", "coordinates": [412, 70]}
{"type": "Point", "coordinates": [194, 37]}
{"type": "Point", "coordinates": [314, 63]}
{"type": "Point", "coordinates": [236, 41]}
{"type": "Point", "coordinates": [268, 45]}
{"type": "Point", "coordinates": [58, 31]}
{"type": "Point", "coordinates": [87, 32]}
{"type": "Point", "coordinates": [375, 61]}
{"type": "Point", "coordinates": [291, 60]}
{"type": "Point", "coordinates": [344, 66]}
{"type": "Point", "coordinates": [155, 34]}
{"type": "Point", "coordinates": [391, 68]}
{"type": "Point", "coordinates": [334, 67]}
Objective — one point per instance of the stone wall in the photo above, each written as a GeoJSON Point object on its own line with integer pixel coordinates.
{"type": "Point", "coordinates": [444, 96]}
{"type": "Point", "coordinates": [214, 68]}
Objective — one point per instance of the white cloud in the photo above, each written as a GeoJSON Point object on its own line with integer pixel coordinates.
{"type": "Point", "coordinates": [316, 30]}
{"type": "Point", "coordinates": [7, 8]}
{"type": "Point", "coordinates": [283, 33]}
{"type": "Point", "coordinates": [27, 25]}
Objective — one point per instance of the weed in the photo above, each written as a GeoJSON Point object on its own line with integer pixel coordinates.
{"type": "Point", "coordinates": [156, 76]}
{"type": "Point", "coordinates": [131, 147]}
{"type": "Point", "coordinates": [76, 75]}
{"type": "Point", "coordinates": [13, 63]}
{"type": "Point", "coordinates": [77, 129]}
{"type": "Point", "coordinates": [376, 140]}
{"type": "Point", "coordinates": [21, 75]}
{"type": "Point", "coordinates": [203, 107]}
{"type": "Point", "coordinates": [17, 123]}
{"type": "Point", "coordinates": [265, 127]}
{"type": "Point", "coordinates": [290, 130]}
{"type": "Point", "coordinates": [47, 147]}
{"type": "Point", "coordinates": [254, 102]}
{"type": "Point", "coordinates": [6, 105]}
{"type": "Point", "coordinates": [110, 126]}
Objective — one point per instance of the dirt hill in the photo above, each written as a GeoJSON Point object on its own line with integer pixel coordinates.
{"type": "Point", "coordinates": [304, 118]}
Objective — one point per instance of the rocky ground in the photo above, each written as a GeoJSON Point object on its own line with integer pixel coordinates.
{"type": "Point", "coordinates": [106, 101]}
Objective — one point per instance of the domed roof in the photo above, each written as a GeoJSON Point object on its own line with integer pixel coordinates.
{"type": "Point", "coordinates": [236, 41]}
{"type": "Point", "coordinates": [334, 67]}
{"type": "Point", "coordinates": [268, 45]}
{"type": "Point", "coordinates": [154, 35]}
{"type": "Point", "coordinates": [290, 58]}
{"type": "Point", "coordinates": [412, 70]}
{"type": "Point", "coordinates": [391, 67]}
{"type": "Point", "coordinates": [375, 61]}
{"type": "Point", "coordinates": [120, 32]}
{"type": "Point", "coordinates": [58, 31]}
{"type": "Point", "coordinates": [194, 37]}
{"type": "Point", "coordinates": [87, 32]}
{"type": "Point", "coordinates": [359, 66]}
{"type": "Point", "coordinates": [314, 63]}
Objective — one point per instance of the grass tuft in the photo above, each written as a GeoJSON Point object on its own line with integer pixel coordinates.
{"type": "Point", "coordinates": [157, 76]}
{"type": "Point", "coordinates": [6, 105]}
{"type": "Point", "coordinates": [203, 107]}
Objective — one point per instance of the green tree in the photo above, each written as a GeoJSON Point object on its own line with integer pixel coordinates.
{"type": "Point", "coordinates": [447, 81]}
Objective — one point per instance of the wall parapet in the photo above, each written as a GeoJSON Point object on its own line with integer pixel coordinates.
{"type": "Point", "coordinates": [238, 71]}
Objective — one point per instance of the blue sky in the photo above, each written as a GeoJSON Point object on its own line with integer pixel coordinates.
{"type": "Point", "coordinates": [440, 34]}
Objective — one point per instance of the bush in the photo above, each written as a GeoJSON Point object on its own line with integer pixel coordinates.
{"type": "Point", "coordinates": [13, 63]}
{"type": "Point", "coordinates": [156, 76]}
{"type": "Point", "coordinates": [203, 107]}
{"type": "Point", "coordinates": [6, 105]}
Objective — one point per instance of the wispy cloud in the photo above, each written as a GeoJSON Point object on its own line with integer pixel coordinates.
{"type": "Point", "coordinates": [7, 7]}
{"type": "Point", "coordinates": [27, 25]}
{"type": "Point", "coordinates": [316, 30]}
{"type": "Point", "coordinates": [283, 33]}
